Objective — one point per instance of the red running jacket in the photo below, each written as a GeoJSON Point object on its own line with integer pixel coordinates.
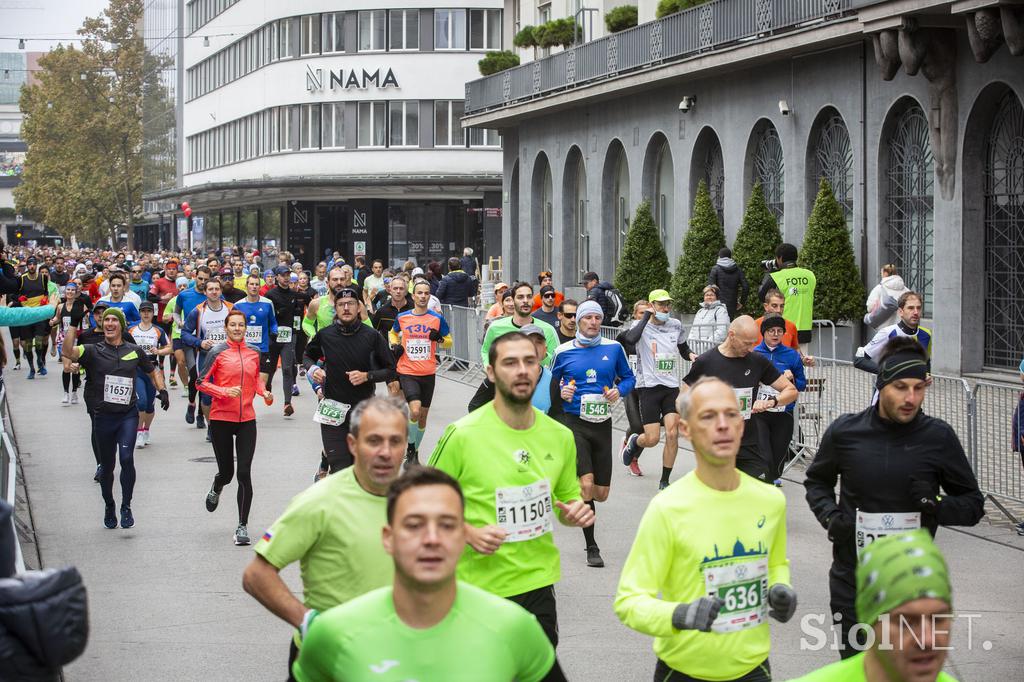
{"type": "Point", "coordinates": [227, 365]}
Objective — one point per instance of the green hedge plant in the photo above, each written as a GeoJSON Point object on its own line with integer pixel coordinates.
{"type": "Point", "coordinates": [700, 251]}
{"type": "Point", "coordinates": [757, 238]}
{"type": "Point", "coordinates": [620, 18]}
{"type": "Point", "coordinates": [495, 62]}
{"type": "Point", "coordinates": [643, 266]}
{"type": "Point", "coordinates": [828, 253]}
{"type": "Point", "coordinates": [526, 37]}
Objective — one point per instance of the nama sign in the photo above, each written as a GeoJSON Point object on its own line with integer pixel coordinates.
{"type": "Point", "coordinates": [347, 79]}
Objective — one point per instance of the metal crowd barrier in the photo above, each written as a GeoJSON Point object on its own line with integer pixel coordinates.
{"type": "Point", "coordinates": [981, 416]}
{"type": "Point", "coordinates": [9, 470]}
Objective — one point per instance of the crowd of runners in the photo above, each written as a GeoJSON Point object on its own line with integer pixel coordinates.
{"type": "Point", "coordinates": [446, 561]}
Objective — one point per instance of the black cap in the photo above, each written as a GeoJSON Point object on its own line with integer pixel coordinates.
{"type": "Point", "coordinates": [146, 305]}
{"type": "Point", "coordinates": [591, 277]}
{"type": "Point", "coordinates": [346, 292]}
{"type": "Point", "coordinates": [100, 304]}
{"type": "Point", "coordinates": [547, 289]}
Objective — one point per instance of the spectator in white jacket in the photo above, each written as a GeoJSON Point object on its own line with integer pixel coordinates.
{"type": "Point", "coordinates": [712, 320]}
{"type": "Point", "coordinates": [883, 300]}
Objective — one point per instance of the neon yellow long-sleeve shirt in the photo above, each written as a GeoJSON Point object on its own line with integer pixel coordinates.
{"type": "Point", "coordinates": [692, 542]}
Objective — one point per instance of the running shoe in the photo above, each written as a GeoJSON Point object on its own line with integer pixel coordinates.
{"type": "Point", "coordinates": [209, 438]}
{"type": "Point", "coordinates": [411, 455]}
{"type": "Point", "coordinates": [66, 400]}
{"type": "Point", "coordinates": [127, 520]}
{"type": "Point", "coordinates": [295, 390]}
{"type": "Point", "coordinates": [146, 436]}
{"type": "Point", "coordinates": [174, 382]}
{"type": "Point", "coordinates": [212, 497]}
{"type": "Point", "coordinates": [17, 365]}
{"type": "Point", "coordinates": [99, 472]}
{"type": "Point", "coordinates": [1020, 528]}
{"type": "Point", "coordinates": [626, 452]}
{"type": "Point", "coordinates": [288, 410]}
{"type": "Point", "coordinates": [778, 482]}
{"type": "Point", "coordinates": [594, 559]}
{"type": "Point", "coordinates": [634, 467]}
{"type": "Point", "coordinates": [140, 438]}
{"type": "Point", "coordinates": [200, 420]}
{"type": "Point", "coordinates": [662, 485]}
{"type": "Point", "coordinates": [109, 517]}
{"type": "Point", "coordinates": [302, 372]}
{"type": "Point", "coordinates": [42, 370]}
{"type": "Point", "coordinates": [31, 373]}
{"type": "Point", "coordinates": [190, 414]}
{"type": "Point", "coordinates": [241, 535]}
{"type": "Point", "coordinates": [74, 397]}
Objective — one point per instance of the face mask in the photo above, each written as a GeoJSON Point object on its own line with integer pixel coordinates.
{"type": "Point", "coordinates": [585, 342]}
{"type": "Point", "coordinates": [661, 317]}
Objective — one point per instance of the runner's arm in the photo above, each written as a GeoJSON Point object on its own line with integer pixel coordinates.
{"type": "Point", "coordinates": [963, 504]}
{"type": "Point", "coordinates": [778, 562]}
{"type": "Point", "coordinates": [787, 391]}
{"type": "Point", "coordinates": [627, 380]}
{"type": "Point", "coordinates": [633, 334]}
{"type": "Point", "coordinates": [313, 352]}
{"type": "Point", "coordinates": [385, 362]}
{"type": "Point", "coordinates": [820, 481]}
{"type": "Point", "coordinates": [68, 349]}
{"type": "Point", "coordinates": [262, 580]}
{"type": "Point", "coordinates": [189, 331]}
{"type": "Point", "coordinates": [684, 350]}
{"type": "Point", "coordinates": [206, 379]}
{"type": "Point", "coordinates": [309, 321]}
{"type": "Point", "coordinates": [644, 575]}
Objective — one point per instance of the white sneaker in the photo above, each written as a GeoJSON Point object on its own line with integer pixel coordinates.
{"type": "Point", "coordinates": [66, 399]}
{"type": "Point", "coordinates": [140, 439]}
{"type": "Point", "coordinates": [145, 434]}
{"type": "Point", "coordinates": [74, 397]}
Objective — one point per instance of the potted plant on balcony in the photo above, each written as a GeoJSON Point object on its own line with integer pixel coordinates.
{"type": "Point", "coordinates": [495, 62]}
{"type": "Point", "coordinates": [620, 18]}
{"type": "Point", "coordinates": [557, 32]}
{"type": "Point", "coordinates": [667, 7]}
{"type": "Point", "coordinates": [526, 37]}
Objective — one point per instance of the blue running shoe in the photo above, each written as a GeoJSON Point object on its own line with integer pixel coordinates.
{"type": "Point", "coordinates": [200, 420]}
{"type": "Point", "coordinates": [627, 449]}
{"type": "Point", "coordinates": [127, 520]}
{"type": "Point", "coordinates": [31, 373]}
{"type": "Point", "coordinates": [109, 517]}
{"type": "Point", "coordinates": [42, 371]}
{"type": "Point", "coordinates": [190, 414]}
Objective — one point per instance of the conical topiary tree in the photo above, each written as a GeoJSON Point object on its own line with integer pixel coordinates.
{"type": "Point", "coordinates": [756, 241]}
{"type": "Point", "coordinates": [644, 265]}
{"type": "Point", "coordinates": [827, 253]}
{"type": "Point", "coordinates": [700, 251]}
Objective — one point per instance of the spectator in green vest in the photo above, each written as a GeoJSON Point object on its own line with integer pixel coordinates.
{"type": "Point", "coordinates": [797, 285]}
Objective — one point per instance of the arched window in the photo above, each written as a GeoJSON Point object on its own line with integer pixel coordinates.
{"type": "Point", "coordinates": [833, 160]}
{"type": "Point", "coordinates": [714, 176]}
{"type": "Point", "coordinates": [662, 204]}
{"type": "Point", "coordinates": [576, 255]}
{"type": "Point", "coordinates": [620, 193]}
{"type": "Point", "coordinates": [910, 201]}
{"type": "Point", "coordinates": [1004, 234]}
{"type": "Point", "coordinates": [547, 237]}
{"type": "Point", "coordinates": [770, 169]}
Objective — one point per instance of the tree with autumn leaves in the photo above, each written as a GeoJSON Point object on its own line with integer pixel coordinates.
{"type": "Point", "coordinates": [83, 127]}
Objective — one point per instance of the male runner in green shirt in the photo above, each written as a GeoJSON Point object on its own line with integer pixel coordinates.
{"type": "Point", "coordinates": [427, 625]}
{"type": "Point", "coordinates": [516, 466]}
{"type": "Point", "coordinates": [708, 565]}
{"type": "Point", "coordinates": [522, 315]}
{"type": "Point", "coordinates": [333, 527]}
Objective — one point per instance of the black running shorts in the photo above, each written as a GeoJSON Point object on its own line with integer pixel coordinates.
{"type": "Point", "coordinates": [417, 388]}
{"type": "Point", "coordinates": [656, 402]}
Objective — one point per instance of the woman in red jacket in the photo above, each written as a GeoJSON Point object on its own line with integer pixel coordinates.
{"type": "Point", "coordinates": [231, 376]}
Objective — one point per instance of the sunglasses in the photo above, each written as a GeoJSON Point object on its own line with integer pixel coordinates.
{"type": "Point", "coordinates": [548, 296]}
{"type": "Point", "coordinates": [570, 316]}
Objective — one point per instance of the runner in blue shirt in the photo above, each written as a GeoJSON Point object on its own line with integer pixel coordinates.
{"type": "Point", "coordinates": [260, 322]}
{"type": "Point", "coordinates": [592, 373]}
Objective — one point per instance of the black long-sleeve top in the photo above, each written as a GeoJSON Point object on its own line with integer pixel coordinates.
{"type": "Point", "coordinates": [877, 460]}
{"type": "Point", "coordinates": [362, 350]}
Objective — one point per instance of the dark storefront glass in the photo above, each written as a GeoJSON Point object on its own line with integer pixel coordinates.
{"type": "Point", "coordinates": [248, 238]}
{"type": "Point", "coordinates": [271, 235]}
{"type": "Point", "coordinates": [228, 232]}
{"type": "Point", "coordinates": [432, 230]}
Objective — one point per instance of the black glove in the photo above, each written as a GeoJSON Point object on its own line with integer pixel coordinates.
{"type": "Point", "coordinates": [924, 495]}
{"type": "Point", "coordinates": [840, 527]}
{"type": "Point", "coordinates": [435, 335]}
{"type": "Point", "coordinates": [397, 350]}
{"type": "Point", "coordinates": [165, 400]}
{"type": "Point", "coordinates": [782, 600]}
{"type": "Point", "coordinates": [698, 615]}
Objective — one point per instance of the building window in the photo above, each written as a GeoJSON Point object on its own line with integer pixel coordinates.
{"type": "Point", "coordinates": [405, 123]}
{"type": "Point", "coordinates": [284, 138]}
{"type": "Point", "coordinates": [405, 29]}
{"type": "Point", "coordinates": [484, 137]}
{"type": "Point", "coordinates": [714, 177]}
{"type": "Point", "coordinates": [449, 29]}
{"type": "Point", "coordinates": [372, 124]}
{"type": "Point", "coordinates": [447, 129]}
{"type": "Point", "coordinates": [1004, 227]}
{"type": "Point", "coordinates": [770, 170]}
{"type": "Point", "coordinates": [485, 29]}
{"type": "Point", "coordinates": [310, 34]}
{"type": "Point", "coordinates": [833, 160]}
{"type": "Point", "coordinates": [334, 32]}
{"type": "Point", "coordinates": [911, 178]}
{"type": "Point", "coordinates": [372, 30]}
{"type": "Point", "coordinates": [309, 127]}
{"type": "Point", "coordinates": [284, 50]}
{"type": "Point", "coordinates": [334, 125]}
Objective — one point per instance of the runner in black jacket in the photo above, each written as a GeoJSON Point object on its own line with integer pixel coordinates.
{"type": "Point", "coordinates": [891, 460]}
{"type": "Point", "coordinates": [355, 358]}
{"type": "Point", "coordinates": [289, 308]}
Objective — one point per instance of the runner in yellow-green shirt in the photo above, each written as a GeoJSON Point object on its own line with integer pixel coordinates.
{"type": "Point", "coordinates": [708, 564]}
{"type": "Point", "coordinates": [427, 625]}
{"type": "Point", "coordinates": [905, 598]}
{"type": "Point", "coordinates": [333, 528]}
{"type": "Point", "coordinates": [517, 468]}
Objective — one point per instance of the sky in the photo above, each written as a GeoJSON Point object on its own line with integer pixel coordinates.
{"type": "Point", "coordinates": [43, 23]}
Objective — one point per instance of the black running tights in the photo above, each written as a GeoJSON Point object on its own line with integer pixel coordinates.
{"type": "Point", "coordinates": [228, 439]}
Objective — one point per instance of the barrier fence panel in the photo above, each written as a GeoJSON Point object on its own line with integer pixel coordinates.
{"type": "Point", "coordinates": [996, 458]}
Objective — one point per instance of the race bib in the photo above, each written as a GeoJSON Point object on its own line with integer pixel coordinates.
{"type": "Point", "coordinates": [665, 363]}
{"type": "Point", "coordinates": [254, 335]}
{"type": "Point", "coordinates": [331, 412]}
{"type": "Point", "coordinates": [418, 349]}
{"type": "Point", "coordinates": [632, 362]}
{"type": "Point", "coordinates": [594, 407]}
{"type": "Point", "coordinates": [216, 332]}
{"type": "Point", "coordinates": [745, 397]}
{"type": "Point", "coordinates": [284, 334]}
{"type": "Point", "coordinates": [148, 348]}
{"type": "Point", "coordinates": [524, 513]}
{"type": "Point", "coordinates": [871, 527]}
{"type": "Point", "coordinates": [118, 390]}
{"type": "Point", "coordinates": [766, 393]}
{"type": "Point", "coordinates": [65, 323]}
{"type": "Point", "coordinates": [743, 588]}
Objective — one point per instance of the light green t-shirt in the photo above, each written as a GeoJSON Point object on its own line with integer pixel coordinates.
{"type": "Point", "coordinates": [694, 541]}
{"type": "Point", "coordinates": [169, 317]}
{"type": "Point", "coordinates": [333, 530]}
{"type": "Point", "coordinates": [482, 639]}
{"type": "Point", "coordinates": [850, 670]}
{"type": "Point", "coordinates": [503, 325]}
{"type": "Point", "coordinates": [797, 285]}
{"type": "Point", "coordinates": [503, 472]}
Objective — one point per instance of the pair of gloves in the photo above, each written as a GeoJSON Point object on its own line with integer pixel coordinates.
{"type": "Point", "coordinates": [700, 614]}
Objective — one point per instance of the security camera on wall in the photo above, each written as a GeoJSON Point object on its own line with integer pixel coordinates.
{"type": "Point", "coordinates": [687, 103]}
{"type": "Point", "coordinates": [784, 107]}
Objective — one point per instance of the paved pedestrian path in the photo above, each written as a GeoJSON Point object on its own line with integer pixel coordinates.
{"type": "Point", "coordinates": [166, 601]}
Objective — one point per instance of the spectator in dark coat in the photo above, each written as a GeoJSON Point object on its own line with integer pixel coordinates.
{"type": "Point", "coordinates": [468, 262]}
{"type": "Point", "coordinates": [732, 285]}
{"type": "Point", "coordinates": [598, 291]}
{"type": "Point", "coordinates": [434, 276]}
{"type": "Point", "coordinates": [456, 287]}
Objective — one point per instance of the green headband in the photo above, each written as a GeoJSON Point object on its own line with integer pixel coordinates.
{"type": "Point", "coordinates": [897, 569]}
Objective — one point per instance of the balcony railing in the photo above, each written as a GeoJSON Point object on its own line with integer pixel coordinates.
{"type": "Point", "coordinates": [713, 25]}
